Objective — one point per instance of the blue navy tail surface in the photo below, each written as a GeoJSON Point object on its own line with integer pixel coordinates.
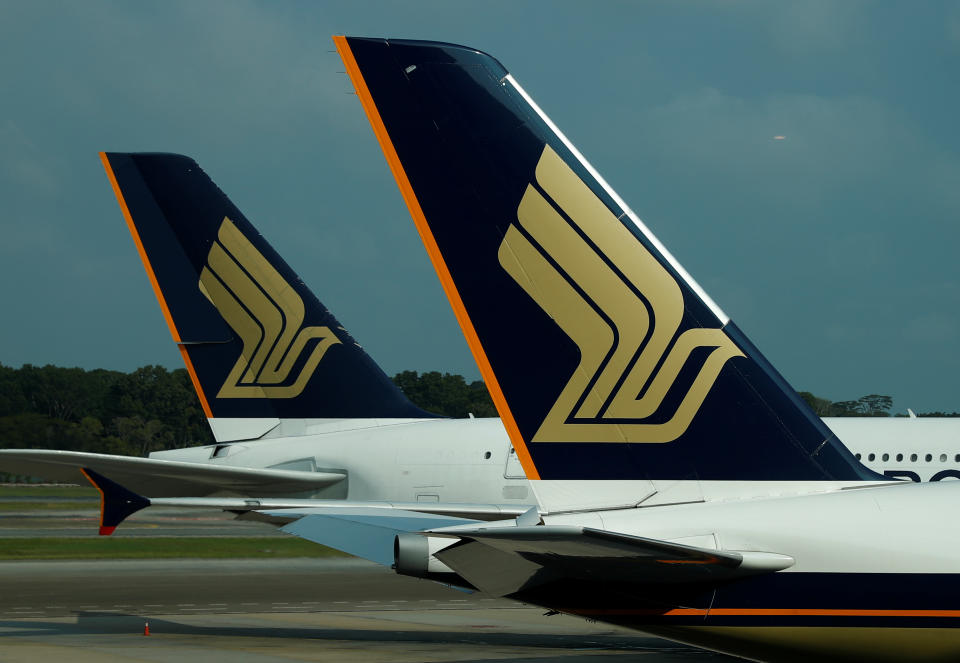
{"type": "Point", "coordinates": [605, 359]}
{"type": "Point", "coordinates": [256, 341]}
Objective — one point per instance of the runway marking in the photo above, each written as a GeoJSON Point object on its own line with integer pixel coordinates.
{"type": "Point", "coordinates": [218, 604]}
{"type": "Point", "coordinates": [280, 603]}
{"type": "Point", "coordinates": [152, 605]}
{"type": "Point", "coordinates": [185, 605]}
{"type": "Point", "coordinates": [397, 601]}
{"type": "Point", "coordinates": [249, 604]}
{"type": "Point", "coordinates": [340, 601]}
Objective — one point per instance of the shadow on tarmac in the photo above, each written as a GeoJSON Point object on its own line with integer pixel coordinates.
{"type": "Point", "coordinates": [100, 623]}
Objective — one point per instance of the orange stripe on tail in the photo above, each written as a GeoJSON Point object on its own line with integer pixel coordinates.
{"type": "Point", "coordinates": [155, 285]}
{"type": "Point", "coordinates": [396, 167]}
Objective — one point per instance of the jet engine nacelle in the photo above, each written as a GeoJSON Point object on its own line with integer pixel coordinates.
{"type": "Point", "coordinates": [413, 555]}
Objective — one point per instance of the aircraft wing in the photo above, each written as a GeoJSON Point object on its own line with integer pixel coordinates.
{"type": "Point", "coordinates": [163, 478]}
{"type": "Point", "coordinates": [507, 557]}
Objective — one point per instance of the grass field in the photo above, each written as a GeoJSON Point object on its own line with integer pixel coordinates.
{"type": "Point", "coordinates": [60, 505]}
{"type": "Point", "coordinates": [160, 548]}
{"type": "Point", "coordinates": [45, 491]}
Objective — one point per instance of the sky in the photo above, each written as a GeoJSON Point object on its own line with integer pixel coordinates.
{"type": "Point", "coordinates": [801, 160]}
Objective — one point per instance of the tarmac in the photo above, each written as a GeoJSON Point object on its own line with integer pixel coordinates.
{"type": "Point", "coordinates": [271, 610]}
{"type": "Point", "coordinates": [267, 611]}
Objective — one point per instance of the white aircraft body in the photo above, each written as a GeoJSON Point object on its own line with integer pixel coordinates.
{"type": "Point", "coordinates": [913, 448]}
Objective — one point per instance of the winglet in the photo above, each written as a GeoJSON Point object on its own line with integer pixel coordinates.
{"type": "Point", "coordinates": [116, 502]}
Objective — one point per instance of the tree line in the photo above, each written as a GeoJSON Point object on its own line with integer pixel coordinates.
{"type": "Point", "coordinates": [153, 408]}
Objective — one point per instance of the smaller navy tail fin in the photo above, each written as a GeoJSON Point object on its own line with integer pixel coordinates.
{"type": "Point", "coordinates": [604, 358]}
{"type": "Point", "coordinates": [258, 344]}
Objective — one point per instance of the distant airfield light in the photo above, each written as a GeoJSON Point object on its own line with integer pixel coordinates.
{"type": "Point", "coordinates": [779, 137]}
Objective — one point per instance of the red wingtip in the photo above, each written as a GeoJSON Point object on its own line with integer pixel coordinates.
{"type": "Point", "coordinates": [106, 531]}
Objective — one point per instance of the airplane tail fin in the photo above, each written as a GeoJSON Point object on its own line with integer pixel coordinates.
{"type": "Point", "coordinates": [257, 343]}
{"type": "Point", "coordinates": [605, 358]}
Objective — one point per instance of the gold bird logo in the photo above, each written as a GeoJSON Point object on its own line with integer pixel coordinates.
{"type": "Point", "coordinates": [267, 314]}
{"type": "Point", "coordinates": [621, 307]}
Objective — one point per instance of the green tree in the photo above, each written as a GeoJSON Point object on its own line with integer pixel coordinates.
{"type": "Point", "coordinates": [821, 406]}
{"type": "Point", "coordinates": [446, 394]}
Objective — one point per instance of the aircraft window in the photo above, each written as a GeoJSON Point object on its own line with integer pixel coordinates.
{"type": "Point", "coordinates": [899, 457]}
{"type": "Point", "coordinates": [913, 458]}
{"type": "Point", "coordinates": [871, 456]}
{"type": "Point", "coordinates": [858, 456]}
{"type": "Point", "coordinates": [943, 458]}
{"type": "Point", "coordinates": [928, 457]}
{"type": "Point", "coordinates": [886, 457]}
{"type": "Point", "coordinates": [956, 459]}
{"type": "Point", "coordinates": [487, 455]}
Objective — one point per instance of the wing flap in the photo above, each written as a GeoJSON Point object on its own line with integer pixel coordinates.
{"type": "Point", "coordinates": [509, 560]}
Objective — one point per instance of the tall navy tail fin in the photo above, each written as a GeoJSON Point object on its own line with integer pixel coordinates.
{"type": "Point", "coordinates": [257, 343]}
{"type": "Point", "coordinates": [605, 359]}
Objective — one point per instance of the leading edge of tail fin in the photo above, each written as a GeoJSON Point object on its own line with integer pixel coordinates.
{"type": "Point", "coordinates": [605, 359]}
{"type": "Point", "coordinates": [256, 341]}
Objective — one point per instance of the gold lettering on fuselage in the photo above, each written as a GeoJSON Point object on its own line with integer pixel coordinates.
{"type": "Point", "coordinates": [621, 307]}
{"type": "Point", "coordinates": [266, 313]}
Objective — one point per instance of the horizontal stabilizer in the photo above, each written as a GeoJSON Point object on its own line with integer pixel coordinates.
{"type": "Point", "coordinates": [390, 518]}
{"type": "Point", "coordinates": [164, 478]}
{"type": "Point", "coordinates": [529, 557]}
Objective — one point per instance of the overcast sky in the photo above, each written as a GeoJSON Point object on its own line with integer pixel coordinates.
{"type": "Point", "coordinates": [835, 247]}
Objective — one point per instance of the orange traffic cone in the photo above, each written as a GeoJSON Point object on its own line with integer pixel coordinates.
{"type": "Point", "coordinates": [146, 628]}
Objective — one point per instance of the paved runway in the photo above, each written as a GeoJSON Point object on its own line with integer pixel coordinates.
{"type": "Point", "coordinates": [144, 587]}
{"type": "Point", "coordinates": [267, 611]}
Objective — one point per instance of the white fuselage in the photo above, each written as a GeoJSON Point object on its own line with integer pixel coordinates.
{"type": "Point", "coordinates": [433, 460]}
{"type": "Point", "coordinates": [874, 578]}
{"type": "Point", "coordinates": [833, 531]}
{"type": "Point", "coordinates": [919, 449]}
{"type": "Point", "coordinates": [472, 460]}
